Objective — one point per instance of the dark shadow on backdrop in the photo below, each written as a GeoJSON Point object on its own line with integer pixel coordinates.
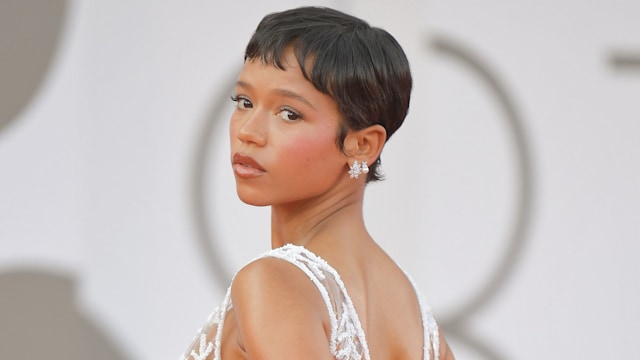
{"type": "Point", "coordinates": [40, 320]}
{"type": "Point", "coordinates": [29, 37]}
{"type": "Point", "coordinates": [625, 60]}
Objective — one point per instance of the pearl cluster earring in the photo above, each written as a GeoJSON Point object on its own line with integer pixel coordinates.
{"type": "Point", "coordinates": [358, 168]}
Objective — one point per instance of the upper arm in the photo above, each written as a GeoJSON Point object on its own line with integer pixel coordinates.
{"type": "Point", "coordinates": [279, 311]}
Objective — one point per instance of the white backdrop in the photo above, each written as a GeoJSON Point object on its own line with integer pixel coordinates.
{"type": "Point", "coordinates": [511, 193]}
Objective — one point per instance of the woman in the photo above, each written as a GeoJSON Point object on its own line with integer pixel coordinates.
{"type": "Point", "coordinates": [319, 95]}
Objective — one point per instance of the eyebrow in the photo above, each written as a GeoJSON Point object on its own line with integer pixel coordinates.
{"type": "Point", "coordinates": [281, 92]}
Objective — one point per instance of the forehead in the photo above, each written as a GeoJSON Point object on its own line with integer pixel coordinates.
{"type": "Point", "coordinates": [256, 70]}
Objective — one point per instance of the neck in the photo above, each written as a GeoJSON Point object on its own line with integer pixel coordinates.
{"type": "Point", "coordinates": [326, 219]}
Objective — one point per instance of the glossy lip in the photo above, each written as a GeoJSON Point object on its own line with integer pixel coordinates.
{"type": "Point", "coordinates": [245, 166]}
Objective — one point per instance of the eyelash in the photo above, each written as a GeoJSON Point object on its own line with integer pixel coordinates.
{"type": "Point", "coordinates": [294, 113]}
{"type": "Point", "coordinates": [236, 99]}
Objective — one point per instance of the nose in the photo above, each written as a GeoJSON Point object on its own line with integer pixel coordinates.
{"type": "Point", "coordinates": [251, 127]}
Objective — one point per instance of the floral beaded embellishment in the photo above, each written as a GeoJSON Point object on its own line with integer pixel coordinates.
{"type": "Point", "coordinates": [206, 347]}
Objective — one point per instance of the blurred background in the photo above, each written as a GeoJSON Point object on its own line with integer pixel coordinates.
{"type": "Point", "coordinates": [512, 191]}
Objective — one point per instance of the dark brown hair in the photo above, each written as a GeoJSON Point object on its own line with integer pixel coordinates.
{"type": "Point", "coordinates": [362, 68]}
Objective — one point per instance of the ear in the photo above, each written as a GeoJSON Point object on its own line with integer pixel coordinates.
{"type": "Point", "coordinates": [366, 144]}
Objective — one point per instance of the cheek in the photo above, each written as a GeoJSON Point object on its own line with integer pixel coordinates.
{"type": "Point", "coordinates": [313, 151]}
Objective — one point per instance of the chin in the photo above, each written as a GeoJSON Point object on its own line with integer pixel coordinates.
{"type": "Point", "coordinates": [252, 198]}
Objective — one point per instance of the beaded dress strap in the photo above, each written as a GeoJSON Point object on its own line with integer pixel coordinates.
{"type": "Point", "coordinates": [347, 321]}
{"type": "Point", "coordinates": [429, 325]}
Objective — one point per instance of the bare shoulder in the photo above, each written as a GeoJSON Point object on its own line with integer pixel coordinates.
{"type": "Point", "coordinates": [280, 313]}
{"type": "Point", "coordinates": [445, 350]}
{"type": "Point", "coordinates": [270, 283]}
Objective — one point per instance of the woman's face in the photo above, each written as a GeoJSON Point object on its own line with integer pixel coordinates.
{"type": "Point", "coordinates": [283, 136]}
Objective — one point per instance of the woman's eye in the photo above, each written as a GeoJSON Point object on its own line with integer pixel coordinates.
{"type": "Point", "coordinates": [289, 115]}
{"type": "Point", "coordinates": [242, 102]}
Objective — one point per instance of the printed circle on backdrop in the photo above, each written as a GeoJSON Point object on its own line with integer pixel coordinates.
{"type": "Point", "coordinates": [514, 159]}
{"type": "Point", "coordinates": [482, 194]}
{"type": "Point", "coordinates": [29, 37]}
{"type": "Point", "coordinates": [225, 238]}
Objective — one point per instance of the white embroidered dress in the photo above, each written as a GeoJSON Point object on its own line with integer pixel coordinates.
{"type": "Point", "coordinates": [347, 340]}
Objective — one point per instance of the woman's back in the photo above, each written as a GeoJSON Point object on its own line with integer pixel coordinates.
{"type": "Point", "coordinates": [391, 312]}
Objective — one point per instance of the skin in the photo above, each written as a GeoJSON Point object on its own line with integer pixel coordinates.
{"type": "Point", "coordinates": [284, 155]}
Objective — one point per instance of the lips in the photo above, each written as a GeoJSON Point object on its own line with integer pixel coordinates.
{"type": "Point", "coordinates": [246, 166]}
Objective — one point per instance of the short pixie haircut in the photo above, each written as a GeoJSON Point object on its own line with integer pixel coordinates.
{"type": "Point", "coordinates": [362, 68]}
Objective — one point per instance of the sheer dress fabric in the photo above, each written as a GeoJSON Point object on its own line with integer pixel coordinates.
{"type": "Point", "coordinates": [347, 340]}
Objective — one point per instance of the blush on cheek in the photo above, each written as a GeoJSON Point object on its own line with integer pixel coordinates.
{"type": "Point", "coordinates": [309, 150]}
